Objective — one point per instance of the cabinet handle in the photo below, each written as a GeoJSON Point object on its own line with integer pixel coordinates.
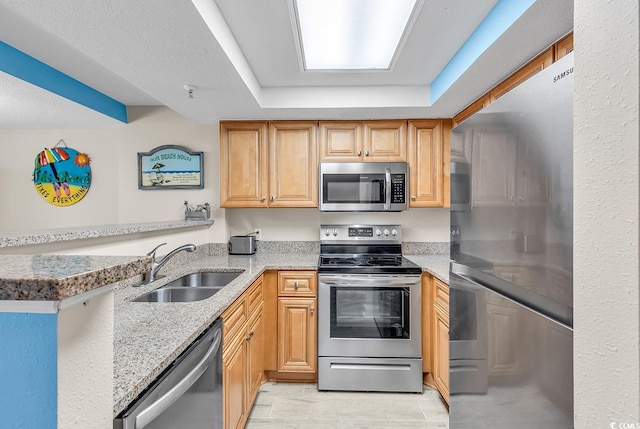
{"type": "Point", "coordinates": [413, 197]}
{"type": "Point", "coordinates": [263, 199]}
{"type": "Point", "coordinates": [296, 285]}
{"type": "Point", "coordinates": [250, 336]}
{"type": "Point", "coordinates": [273, 198]}
{"type": "Point", "coordinates": [359, 152]}
{"type": "Point", "coordinates": [366, 153]}
{"type": "Point", "coordinates": [312, 310]}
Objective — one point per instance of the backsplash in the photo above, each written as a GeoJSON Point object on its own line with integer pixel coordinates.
{"type": "Point", "coordinates": [425, 248]}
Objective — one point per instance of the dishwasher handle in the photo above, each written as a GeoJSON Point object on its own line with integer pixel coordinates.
{"type": "Point", "coordinates": [165, 401]}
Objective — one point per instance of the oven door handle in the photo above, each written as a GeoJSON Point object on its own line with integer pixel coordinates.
{"type": "Point", "coordinates": [369, 281]}
{"type": "Point", "coordinates": [387, 182]}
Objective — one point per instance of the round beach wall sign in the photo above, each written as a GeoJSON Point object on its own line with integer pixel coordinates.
{"type": "Point", "coordinates": [62, 175]}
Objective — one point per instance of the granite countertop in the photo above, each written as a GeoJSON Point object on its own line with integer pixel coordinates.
{"type": "Point", "coordinates": [149, 336]}
{"type": "Point", "coordinates": [56, 277]}
{"type": "Point", "coordinates": [12, 239]}
{"type": "Point", "coordinates": [436, 265]}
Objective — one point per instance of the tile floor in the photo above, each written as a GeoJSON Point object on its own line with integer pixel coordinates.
{"type": "Point", "coordinates": [301, 405]}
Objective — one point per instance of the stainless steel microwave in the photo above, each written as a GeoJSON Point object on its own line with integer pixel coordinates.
{"type": "Point", "coordinates": [364, 186]}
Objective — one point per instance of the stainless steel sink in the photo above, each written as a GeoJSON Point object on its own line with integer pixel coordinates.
{"type": "Point", "coordinates": [205, 279]}
{"type": "Point", "coordinates": [179, 294]}
{"type": "Point", "coordinates": [192, 287]}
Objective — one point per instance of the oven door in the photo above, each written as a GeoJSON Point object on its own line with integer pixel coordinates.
{"type": "Point", "coordinates": [363, 315]}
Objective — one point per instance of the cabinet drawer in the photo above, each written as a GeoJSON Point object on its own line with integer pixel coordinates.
{"type": "Point", "coordinates": [254, 297]}
{"type": "Point", "coordinates": [297, 283]}
{"type": "Point", "coordinates": [441, 296]}
{"type": "Point", "coordinates": [233, 320]}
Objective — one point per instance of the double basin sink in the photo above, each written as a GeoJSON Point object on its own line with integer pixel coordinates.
{"type": "Point", "coordinates": [192, 287]}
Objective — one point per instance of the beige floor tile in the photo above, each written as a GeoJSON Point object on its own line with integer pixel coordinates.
{"type": "Point", "coordinates": [390, 424]}
{"type": "Point", "coordinates": [265, 424]}
{"type": "Point", "coordinates": [297, 405]}
{"type": "Point", "coordinates": [311, 424]}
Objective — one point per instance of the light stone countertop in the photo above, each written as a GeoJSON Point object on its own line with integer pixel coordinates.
{"type": "Point", "coordinates": [56, 277]}
{"type": "Point", "coordinates": [12, 239]}
{"type": "Point", "coordinates": [149, 336]}
{"type": "Point", "coordinates": [436, 265]}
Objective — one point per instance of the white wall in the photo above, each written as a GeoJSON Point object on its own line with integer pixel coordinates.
{"type": "Point", "coordinates": [114, 197]}
{"type": "Point", "coordinates": [606, 215]}
{"type": "Point", "coordinates": [85, 364]}
{"type": "Point", "coordinates": [304, 224]}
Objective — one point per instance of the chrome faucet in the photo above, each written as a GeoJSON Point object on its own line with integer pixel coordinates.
{"type": "Point", "coordinates": [156, 265]}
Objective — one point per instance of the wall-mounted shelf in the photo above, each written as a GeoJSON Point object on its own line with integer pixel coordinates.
{"type": "Point", "coordinates": [14, 239]}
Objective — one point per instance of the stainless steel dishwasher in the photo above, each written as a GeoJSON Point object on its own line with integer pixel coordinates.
{"type": "Point", "coordinates": [187, 395]}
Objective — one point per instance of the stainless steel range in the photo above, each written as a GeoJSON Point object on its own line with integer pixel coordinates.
{"type": "Point", "coordinates": [369, 311]}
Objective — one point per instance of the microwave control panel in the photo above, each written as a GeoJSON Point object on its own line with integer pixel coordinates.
{"type": "Point", "coordinates": [398, 189]}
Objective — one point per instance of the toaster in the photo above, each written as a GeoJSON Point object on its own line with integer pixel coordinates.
{"type": "Point", "coordinates": [242, 245]}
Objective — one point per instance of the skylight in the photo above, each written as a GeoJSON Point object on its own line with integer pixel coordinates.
{"type": "Point", "coordinates": [351, 34]}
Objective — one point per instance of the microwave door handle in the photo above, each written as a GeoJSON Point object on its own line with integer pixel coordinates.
{"type": "Point", "coordinates": [387, 182]}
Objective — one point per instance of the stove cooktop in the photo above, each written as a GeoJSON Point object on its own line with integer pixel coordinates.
{"type": "Point", "coordinates": [367, 264]}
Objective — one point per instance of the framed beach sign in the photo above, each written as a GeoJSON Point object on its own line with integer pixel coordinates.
{"type": "Point", "coordinates": [170, 167]}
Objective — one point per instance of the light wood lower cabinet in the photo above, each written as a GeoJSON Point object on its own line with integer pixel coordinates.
{"type": "Point", "coordinates": [242, 354]}
{"type": "Point", "coordinates": [297, 321]}
{"type": "Point", "coordinates": [435, 334]}
{"type": "Point", "coordinates": [440, 335]}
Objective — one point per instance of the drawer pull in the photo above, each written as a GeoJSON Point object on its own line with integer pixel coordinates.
{"type": "Point", "coordinates": [296, 285]}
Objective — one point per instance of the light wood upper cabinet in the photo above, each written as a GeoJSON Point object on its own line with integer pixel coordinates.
{"type": "Point", "coordinates": [367, 141]}
{"type": "Point", "coordinates": [385, 141]}
{"type": "Point", "coordinates": [244, 181]}
{"type": "Point", "coordinates": [564, 47]}
{"type": "Point", "coordinates": [340, 141]}
{"type": "Point", "coordinates": [268, 164]}
{"type": "Point", "coordinates": [293, 164]}
{"type": "Point", "coordinates": [426, 164]}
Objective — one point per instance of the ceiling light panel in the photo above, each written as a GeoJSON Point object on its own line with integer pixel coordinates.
{"type": "Point", "coordinates": [351, 34]}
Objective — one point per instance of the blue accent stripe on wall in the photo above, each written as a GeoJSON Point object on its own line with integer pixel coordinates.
{"type": "Point", "coordinates": [499, 19]}
{"type": "Point", "coordinates": [28, 370]}
{"type": "Point", "coordinates": [29, 69]}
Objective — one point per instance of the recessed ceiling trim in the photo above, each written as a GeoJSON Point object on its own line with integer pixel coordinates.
{"type": "Point", "coordinates": [22, 66]}
{"type": "Point", "coordinates": [497, 21]}
{"type": "Point", "coordinates": [366, 64]}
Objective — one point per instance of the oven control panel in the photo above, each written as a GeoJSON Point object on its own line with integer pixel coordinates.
{"type": "Point", "coordinates": [350, 233]}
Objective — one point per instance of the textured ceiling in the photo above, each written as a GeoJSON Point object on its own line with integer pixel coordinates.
{"type": "Point", "coordinates": [144, 52]}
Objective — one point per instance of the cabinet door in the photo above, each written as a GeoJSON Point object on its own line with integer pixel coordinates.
{"type": "Point", "coordinates": [426, 164]}
{"type": "Point", "coordinates": [340, 141]}
{"type": "Point", "coordinates": [235, 386]}
{"type": "Point", "coordinates": [461, 145]}
{"type": "Point", "coordinates": [255, 356]}
{"type": "Point", "coordinates": [297, 334]}
{"type": "Point", "coordinates": [493, 168]}
{"type": "Point", "coordinates": [243, 164]}
{"type": "Point", "coordinates": [385, 141]}
{"type": "Point", "coordinates": [293, 178]}
{"type": "Point", "coordinates": [441, 353]}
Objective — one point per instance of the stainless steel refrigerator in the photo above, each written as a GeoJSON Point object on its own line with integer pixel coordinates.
{"type": "Point", "coordinates": [511, 277]}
